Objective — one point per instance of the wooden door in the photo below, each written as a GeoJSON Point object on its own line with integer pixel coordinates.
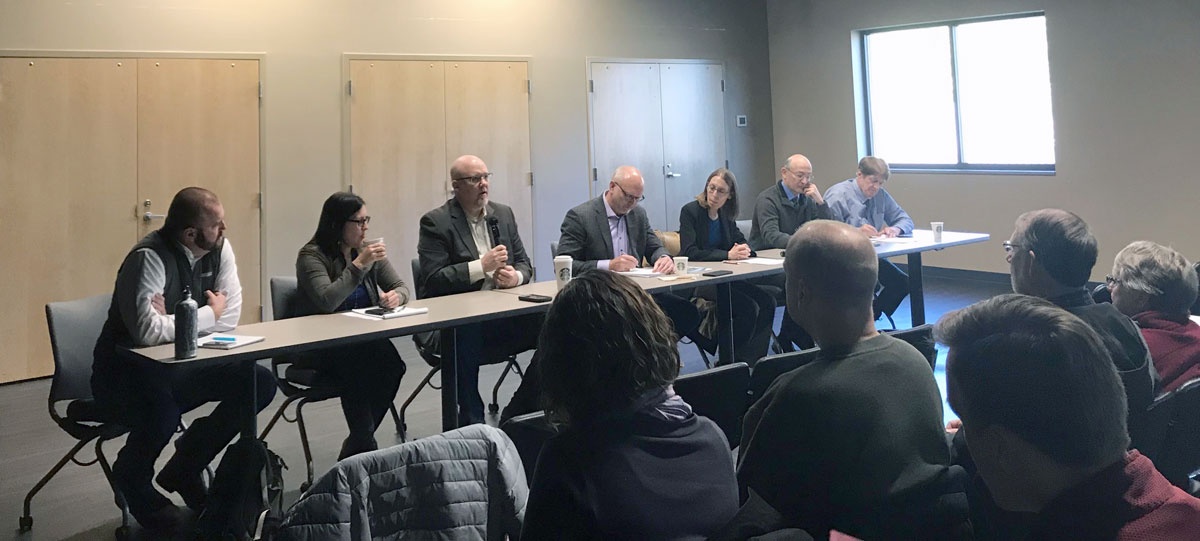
{"type": "Point", "coordinates": [487, 115]}
{"type": "Point", "coordinates": [693, 119]}
{"type": "Point", "coordinates": [627, 129]}
{"type": "Point", "coordinates": [198, 124]}
{"type": "Point", "coordinates": [398, 149]}
{"type": "Point", "coordinates": [67, 184]}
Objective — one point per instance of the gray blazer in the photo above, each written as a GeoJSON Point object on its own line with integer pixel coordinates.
{"type": "Point", "coordinates": [585, 236]}
{"type": "Point", "coordinates": [327, 282]}
{"type": "Point", "coordinates": [445, 246]}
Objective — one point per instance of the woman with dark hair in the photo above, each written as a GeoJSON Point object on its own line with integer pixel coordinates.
{"type": "Point", "coordinates": [708, 231]}
{"type": "Point", "coordinates": [632, 461]}
{"type": "Point", "coordinates": [336, 271]}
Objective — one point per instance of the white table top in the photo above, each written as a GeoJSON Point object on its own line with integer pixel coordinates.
{"type": "Point", "coordinates": [318, 331]}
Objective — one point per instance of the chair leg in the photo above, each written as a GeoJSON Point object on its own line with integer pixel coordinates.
{"type": "Point", "coordinates": [395, 417]}
{"type": "Point", "coordinates": [494, 407]}
{"type": "Point", "coordinates": [411, 397]}
{"type": "Point", "coordinates": [703, 355]}
{"type": "Point", "coordinates": [118, 496]}
{"type": "Point", "coordinates": [26, 517]}
{"type": "Point", "coordinates": [278, 413]}
{"type": "Point", "coordinates": [308, 460]}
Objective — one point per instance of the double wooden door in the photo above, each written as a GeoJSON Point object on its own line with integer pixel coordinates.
{"type": "Point", "coordinates": [91, 152]}
{"type": "Point", "coordinates": [410, 118]}
{"type": "Point", "coordinates": [666, 119]}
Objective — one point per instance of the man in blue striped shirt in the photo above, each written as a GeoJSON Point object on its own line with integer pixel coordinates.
{"type": "Point", "coordinates": [863, 203]}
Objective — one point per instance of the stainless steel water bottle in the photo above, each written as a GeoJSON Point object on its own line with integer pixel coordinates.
{"type": "Point", "coordinates": [187, 330]}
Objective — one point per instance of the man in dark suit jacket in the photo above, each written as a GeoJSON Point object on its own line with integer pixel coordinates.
{"type": "Point", "coordinates": [611, 232]}
{"type": "Point", "coordinates": [457, 255]}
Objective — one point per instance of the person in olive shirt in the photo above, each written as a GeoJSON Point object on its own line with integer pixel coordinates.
{"type": "Point", "coordinates": [853, 440]}
{"type": "Point", "coordinates": [335, 271]}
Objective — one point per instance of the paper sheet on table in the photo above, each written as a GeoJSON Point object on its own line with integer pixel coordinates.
{"type": "Point", "coordinates": [757, 261]}
{"type": "Point", "coordinates": [641, 273]}
{"type": "Point", "coordinates": [673, 277]}
{"type": "Point", "coordinates": [401, 312]}
{"type": "Point", "coordinates": [893, 240]}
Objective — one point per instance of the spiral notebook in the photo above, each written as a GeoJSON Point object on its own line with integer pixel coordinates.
{"type": "Point", "coordinates": [227, 341]}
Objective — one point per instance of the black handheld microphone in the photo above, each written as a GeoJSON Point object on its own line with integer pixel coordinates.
{"type": "Point", "coordinates": [493, 226]}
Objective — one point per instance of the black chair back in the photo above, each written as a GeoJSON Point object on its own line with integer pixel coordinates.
{"type": "Point", "coordinates": [285, 292]}
{"type": "Point", "coordinates": [768, 369]}
{"type": "Point", "coordinates": [920, 337]}
{"type": "Point", "coordinates": [1179, 454]}
{"type": "Point", "coordinates": [721, 394]}
{"type": "Point", "coordinates": [74, 327]}
{"type": "Point", "coordinates": [529, 433]}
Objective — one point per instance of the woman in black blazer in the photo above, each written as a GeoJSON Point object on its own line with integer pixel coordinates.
{"type": "Point", "coordinates": [708, 232]}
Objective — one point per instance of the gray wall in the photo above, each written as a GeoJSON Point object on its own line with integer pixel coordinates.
{"type": "Point", "coordinates": [304, 41]}
{"type": "Point", "coordinates": [1125, 80]}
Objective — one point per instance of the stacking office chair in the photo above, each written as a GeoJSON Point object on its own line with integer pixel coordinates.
{"type": "Point", "coordinates": [300, 385]}
{"type": "Point", "coordinates": [1176, 452]}
{"type": "Point", "coordinates": [74, 327]}
{"type": "Point", "coordinates": [433, 358]}
{"type": "Point", "coordinates": [721, 394]}
{"type": "Point", "coordinates": [920, 337]}
{"type": "Point", "coordinates": [529, 432]}
{"type": "Point", "coordinates": [769, 368]}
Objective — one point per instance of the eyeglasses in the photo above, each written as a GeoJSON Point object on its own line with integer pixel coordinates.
{"type": "Point", "coordinates": [630, 198]}
{"type": "Point", "coordinates": [475, 179]}
{"type": "Point", "coordinates": [1009, 247]}
{"type": "Point", "coordinates": [803, 175]}
{"type": "Point", "coordinates": [719, 191]}
{"type": "Point", "coordinates": [361, 222]}
{"type": "Point", "coordinates": [1111, 281]}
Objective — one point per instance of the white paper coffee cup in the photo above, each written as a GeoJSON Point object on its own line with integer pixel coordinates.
{"type": "Point", "coordinates": [937, 230]}
{"type": "Point", "coordinates": [562, 270]}
{"type": "Point", "coordinates": [681, 264]}
{"type": "Point", "coordinates": [369, 242]}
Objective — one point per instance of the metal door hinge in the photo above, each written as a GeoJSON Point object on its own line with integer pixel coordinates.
{"type": "Point", "coordinates": [595, 175]}
{"type": "Point", "coordinates": [591, 85]}
{"type": "Point", "coordinates": [531, 178]}
{"type": "Point", "coordinates": [349, 88]}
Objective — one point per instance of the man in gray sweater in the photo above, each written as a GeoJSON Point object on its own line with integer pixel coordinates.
{"type": "Point", "coordinates": [779, 211]}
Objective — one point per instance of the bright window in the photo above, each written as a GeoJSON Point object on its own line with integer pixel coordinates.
{"type": "Point", "coordinates": [960, 96]}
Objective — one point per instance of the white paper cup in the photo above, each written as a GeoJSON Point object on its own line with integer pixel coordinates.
{"type": "Point", "coordinates": [681, 264]}
{"type": "Point", "coordinates": [562, 270]}
{"type": "Point", "coordinates": [937, 230]}
{"type": "Point", "coordinates": [369, 242]}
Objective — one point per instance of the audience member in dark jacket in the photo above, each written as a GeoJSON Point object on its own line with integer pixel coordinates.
{"type": "Point", "coordinates": [1058, 458]}
{"type": "Point", "coordinates": [852, 442]}
{"type": "Point", "coordinates": [1156, 286]}
{"type": "Point", "coordinates": [708, 232]}
{"type": "Point", "coordinates": [633, 461]}
{"type": "Point", "coordinates": [1051, 254]}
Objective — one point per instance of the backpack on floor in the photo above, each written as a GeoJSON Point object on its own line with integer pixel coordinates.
{"type": "Point", "coordinates": [246, 497]}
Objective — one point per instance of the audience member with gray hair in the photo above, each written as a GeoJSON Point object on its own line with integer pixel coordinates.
{"type": "Point", "coordinates": [1156, 286]}
{"type": "Point", "coordinates": [1043, 412]}
{"type": "Point", "coordinates": [1051, 254]}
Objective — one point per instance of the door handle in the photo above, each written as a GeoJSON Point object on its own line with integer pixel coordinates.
{"type": "Point", "coordinates": [673, 175]}
{"type": "Point", "coordinates": [148, 216]}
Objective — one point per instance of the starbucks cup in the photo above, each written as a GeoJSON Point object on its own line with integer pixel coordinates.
{"type": "Point", "coordinates": [937, 230]}
{"type": "Point", "coordinates": [681, 263]}
{"type": "Point", "coordinates": [562, 270]}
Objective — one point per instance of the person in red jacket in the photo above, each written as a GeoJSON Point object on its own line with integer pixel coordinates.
{"type": "Point", "coordinates": [1156, 286]}
{"type": "Point", "coordinates": [1043, 413]}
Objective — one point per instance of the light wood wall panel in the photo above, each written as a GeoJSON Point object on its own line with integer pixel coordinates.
{"type": "Point", "coordinates": [67, 186]}
{"type": "Point", "coordinates": [487, 114]}
{"type": "Point", "coordinates": [198, 125]}
{"type": "Point", "coordinates": [397, 149]}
